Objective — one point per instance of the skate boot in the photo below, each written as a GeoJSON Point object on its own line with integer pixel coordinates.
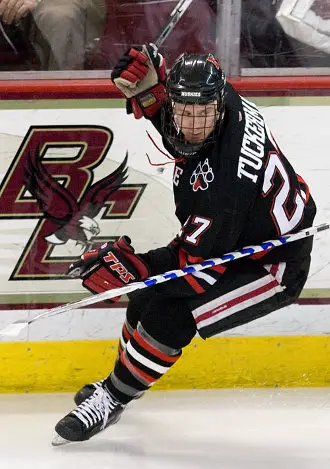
{"type": "Point", "coordinates": [95, 414]}
{"type": "Point", "coordinates": [86, 391]}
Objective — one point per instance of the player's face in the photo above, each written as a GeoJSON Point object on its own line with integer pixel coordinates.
{"type": "Point", "coordinates": [196, 121]}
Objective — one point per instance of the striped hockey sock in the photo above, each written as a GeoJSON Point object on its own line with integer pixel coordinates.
{"type": "Point", "coordinates": [126, 334]}
{"type": "Point", "coordinates": [86, 391]}
{"type": "Point", "coordinates": [141, 364]}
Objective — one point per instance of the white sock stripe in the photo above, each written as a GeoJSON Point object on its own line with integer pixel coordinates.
{"type": "Point", "coordinates": [145, 361]}
{"type": "Point", "coordinates": [122, 342]}
{"type": "Point", "coordinates": [129, 328]}
{"type": "Point", "coordinates": [233, 294]}
{"type": "Point", "coordinates": [240, 306]}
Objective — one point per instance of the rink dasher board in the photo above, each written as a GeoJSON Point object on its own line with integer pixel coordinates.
{"type": "Point", "coordinates": [227, 362]}
{"type": "Point", "coordinates": [286, 348]}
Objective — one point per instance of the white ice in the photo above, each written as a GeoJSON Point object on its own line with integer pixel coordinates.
{"type": "Point", "coordinates": [214, 429]}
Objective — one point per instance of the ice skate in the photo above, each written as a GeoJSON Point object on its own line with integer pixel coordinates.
{"type": "Point", "coordinates": [92, 416]}
{"type": "Point", "coordinates": [86, 391]}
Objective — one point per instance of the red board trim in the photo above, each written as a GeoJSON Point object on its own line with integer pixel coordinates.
{"type": "Point", "coordinates": [104, 89]}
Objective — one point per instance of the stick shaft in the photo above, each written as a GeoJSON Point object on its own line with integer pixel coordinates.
{"type": "Point", "coordinates": [175, 16]}
{"type": "Point", "coordinates": [229, 257]}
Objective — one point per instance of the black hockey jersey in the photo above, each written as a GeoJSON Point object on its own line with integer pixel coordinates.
{"type": "Point", "coordinates": [240, 191]}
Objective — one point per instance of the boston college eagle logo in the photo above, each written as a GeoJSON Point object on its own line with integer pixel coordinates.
{"type": "Point", "coordinates": [62, 186]}
{"type": "Point", "coordinates": [75, 220]}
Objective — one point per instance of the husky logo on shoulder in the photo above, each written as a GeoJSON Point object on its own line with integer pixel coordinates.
{"type": "Point", "coordinates": [202, 176]}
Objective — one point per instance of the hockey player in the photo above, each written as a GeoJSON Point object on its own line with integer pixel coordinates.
{"type": "Point", "coordinates": [233, 187]}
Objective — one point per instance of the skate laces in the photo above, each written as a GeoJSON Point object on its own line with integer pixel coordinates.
{"type": "Point", "coordinates": [96, 408]}
{"type": "Point", "coordinates": [98, 384]}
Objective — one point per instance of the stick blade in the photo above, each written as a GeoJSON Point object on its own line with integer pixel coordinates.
{"type": "Point", "coordinates": [14, 329]}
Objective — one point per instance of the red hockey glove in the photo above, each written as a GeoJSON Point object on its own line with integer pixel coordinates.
{"type": "Point", "coordinates": [111, 266]}
{"type": "Point", "coordinates": [140, 75]}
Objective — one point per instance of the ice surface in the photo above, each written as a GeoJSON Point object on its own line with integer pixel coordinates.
{"type": "Point", "coordinates": [213, 429]}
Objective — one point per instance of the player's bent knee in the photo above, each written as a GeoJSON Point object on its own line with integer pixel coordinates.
{"type": "Point", "coordinates": [170, 322]}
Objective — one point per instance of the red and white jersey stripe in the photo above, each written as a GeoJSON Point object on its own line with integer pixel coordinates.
{"type": "Point", "coordinates": [241, 298]}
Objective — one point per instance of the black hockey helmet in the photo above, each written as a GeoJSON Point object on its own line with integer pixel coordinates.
{"type": "Point", "coordinates": [194, 79]}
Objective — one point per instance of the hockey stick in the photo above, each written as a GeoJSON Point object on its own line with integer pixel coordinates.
{"type": "Point", "coordinates": [16, 327]}
{"type": "Point", "coordinates": [175, 16]}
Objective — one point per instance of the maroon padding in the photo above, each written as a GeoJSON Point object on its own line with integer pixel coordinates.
{"type": "Point", "coordinates": [123, 304]}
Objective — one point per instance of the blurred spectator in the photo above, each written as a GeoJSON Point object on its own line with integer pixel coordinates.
{"type": "Point", "coordinates": [62, 31]}
{"type": "Point", "coordinates": [131, 22]}
{"type": "Point", "coordinates": [263, 41]}
{"type": "Point", "coordinates": [93, 34]}
{"type": "Point", "coordinates": [11, 11]}
{"type": "Point", "coordinates": [72, 28]}
{"type": "Point", "coordinates": [308, 23]}
{"type": "Point", "coordinates": [16, 51]}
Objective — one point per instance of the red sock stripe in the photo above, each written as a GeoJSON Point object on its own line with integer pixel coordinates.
{"type": "Point", "coordinates": [136, 371]}
{"type": "Point", "coordinates": [153, 350]}
{"type": "Point", "coordinates": [125, 333]}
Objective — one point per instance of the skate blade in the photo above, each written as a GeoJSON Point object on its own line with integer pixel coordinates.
{"type": "Point", "coordinates": [59, 441]}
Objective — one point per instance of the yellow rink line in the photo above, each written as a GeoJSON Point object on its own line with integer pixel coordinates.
{"type": "Point", "coordinates": [292, 361]}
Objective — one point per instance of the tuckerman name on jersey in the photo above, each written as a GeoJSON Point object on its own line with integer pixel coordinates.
{"type": "Point", "coordinates": [253, 144]}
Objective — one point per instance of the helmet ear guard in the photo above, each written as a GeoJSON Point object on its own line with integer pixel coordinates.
{"type": "Point", "coordinates": [193, 80]}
